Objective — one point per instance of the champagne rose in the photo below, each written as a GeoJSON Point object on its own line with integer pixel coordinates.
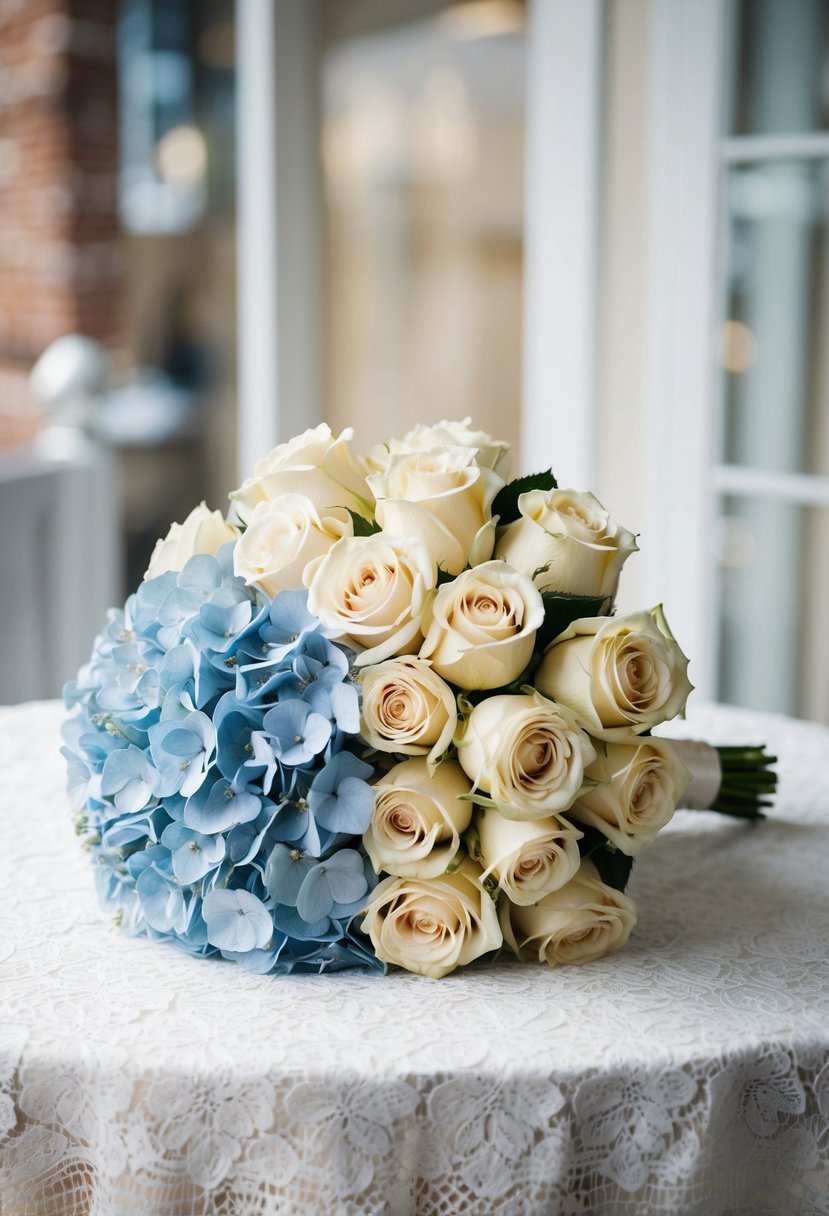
{"type": "Point", "coordinates": [617, 674]}
{"type": "Point", "coordinates": [528, 859]}
{"type": "Point", "coordinates": [431, 926]}
{"type": "Point", "coordinates": [203, 531]}
{"type": "Point", "coordinates": [566, 542]}
{"type": "Point", "coordinates": [418, 816]}
{"type": "Point", "coordinates": [632, 790]}
{"type": "Point", "coordinates": [527, 753]}
{"type": "Point", "coordinates": [373, 592]}
{"type": "Point", "coordinates": [283, 535]}
{"type": "Point", "coordinates": [483, 626]}
{"type": "Point", "coordinates": [576, 924]}
{"type": "Point", "coordinates": [441, 498]}
{"type": "Point", "coordinates": [407, 708]}
{"type": "Point", "coordinates": [317, 464]}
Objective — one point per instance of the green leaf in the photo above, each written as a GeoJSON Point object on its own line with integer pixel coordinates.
{"type": "Point", "coordinates": [561, 610]}
{"type": "Point", "coordinates": [444, 577]}
{"type": "Point", "coordinates": [472, 840]}
{"type": "Point", "coordinates": [505, 505]}
{"type": "Point", "coordinates": [613, 865]}
{"type": "Point", "coordinates": [478, 799]}
{"type": "Point", "coordinates": [362, 526]}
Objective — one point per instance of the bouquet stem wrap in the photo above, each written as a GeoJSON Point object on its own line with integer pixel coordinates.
{"type": "Point", "coordinates": [736, 781]}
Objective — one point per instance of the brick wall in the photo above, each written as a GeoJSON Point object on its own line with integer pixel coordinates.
{"type": "Point", "coordinates": [60, 249]}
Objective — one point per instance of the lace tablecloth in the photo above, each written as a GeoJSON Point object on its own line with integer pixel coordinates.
{"type": "Point", "coordinates": [688, 1074]}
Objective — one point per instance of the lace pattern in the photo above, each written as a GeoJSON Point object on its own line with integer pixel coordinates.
{"type": "Point", "coordinates": [688, 1074]}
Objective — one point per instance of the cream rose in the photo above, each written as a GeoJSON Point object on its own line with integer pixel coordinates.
{"type": "Point", "coordinates": [528, 859]}
{"type": "Point", "coordinates": [489, 453]}
{"type": "Point", "coordinates": [407, 708]}
{"type": "Point", "coordinates": [483, 626]}
{"type": "Point", "coordinates": [576, 924]}
{"type": "Point", "coordinates": [203, 531]}
{"type": "Point", "coordinates": [317, 464]}
{"type": "Point", "coordinates": [617, 674]}
{"type": "Point", "coordinates": [566, 542]}
{"type": "Point", "coordinates": [431, 926]}
{"type": "Point", "coordinates": [632, 791]}
{"type": "Point", "coordinates": [419, 813]}
{"type": "Point", "coordinates": [527, 753]}
{"type": "Point", "coordinates": [284, 534]}
{"type": "Point", "coordinates": [443, 499]}
{"type": "Point", "coordinates": [373, 592]}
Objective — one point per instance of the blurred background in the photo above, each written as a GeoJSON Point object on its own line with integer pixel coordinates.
{"type": "Point", "coordinates": [599, 227]}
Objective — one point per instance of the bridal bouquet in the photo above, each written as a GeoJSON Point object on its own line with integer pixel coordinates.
{"type": "Point", "coordinates": [384, 714]}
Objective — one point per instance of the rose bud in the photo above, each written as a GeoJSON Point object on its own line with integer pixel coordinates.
{"type": "Point", "coordinates": [566, 542]}
{"type": "Point", "coordinates": [284, 534]}
{"type": "Point", "coordinates": [632, 791]}
{"type": "Point", "coordinates": [576, 924]}
{"type": "Point", "coordinates": [407, 708]}
{"type": "Point", "coordinates": [431, 926]}
{"type": "Point", "coordinates": [529, 858]}
{"type": "Point", "coordinates": [373, 592]}
{"type": "Point", "coordinates": [443, 498]}
{"type": "Point", "coordinates": [618, 675]}
{"type": "Point", "coordinates": [527, 753]}
{"type": "Point", "coordinates": [418, 816]}
{"type": "Point", "coordinates": [483, 626]}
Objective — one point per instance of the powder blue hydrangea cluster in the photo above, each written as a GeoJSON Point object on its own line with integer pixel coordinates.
{"type": "Point", "coordinates": [216, 772]}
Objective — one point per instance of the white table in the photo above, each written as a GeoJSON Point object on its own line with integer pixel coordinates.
{"type": "Point", "coordinates": [687, 1075]}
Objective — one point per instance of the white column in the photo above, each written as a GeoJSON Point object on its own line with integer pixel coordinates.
{"type": "Point", "coordinates": [687, 51]}
{"type": "Point", "coordinates": [279, 224]}
{"type": "Point", "coordinates": [564, 122]}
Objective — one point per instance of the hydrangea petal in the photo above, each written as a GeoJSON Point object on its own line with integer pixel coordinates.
{"type": "Point", "coordinates": [220, 806]}
{"type": "Point", "coordinates": [285, 872]}
{"type": "Point", "coordinates": [339, 878]}
{"type": "Point", "coordinates": [236, 920]}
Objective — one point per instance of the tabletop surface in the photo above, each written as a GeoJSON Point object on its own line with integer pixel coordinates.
{"type": "Point", "coordinates": [184, 1073]}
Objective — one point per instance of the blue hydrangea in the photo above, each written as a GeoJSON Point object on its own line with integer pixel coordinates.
{"type": "Point", "coordinates": [218, 777]}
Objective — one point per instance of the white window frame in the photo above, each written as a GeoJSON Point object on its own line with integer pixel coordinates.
{"type": "Point", "coordinates": [690, 155]}
{"type": "Point", "coordinates": [565, 45]}
{"type": "Point", "coordinates": [279, 225]}
{"type": "Point", "coordinates": [687, 59]}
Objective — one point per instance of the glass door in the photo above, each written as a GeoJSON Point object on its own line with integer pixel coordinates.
{"type": "Point", "coordinates": [423, 177]}
{"type": "Point", "coordinates": [772, 470]}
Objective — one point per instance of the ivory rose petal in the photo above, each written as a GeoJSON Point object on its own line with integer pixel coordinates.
{"type": "Point", "coordinates": [432, 926]}
{"type": "Point", "coordinates": [489, 453]}
{"type": "Point", "coordinates": [527, 753]}
{"type": "Point", "coordinates": [316, 463]}
{"type": "Point", "coordinates": [441, 498]}
{"type": "Point", "coordinates": [566, 542]}
{"type": "Point", "coordinates": [527, 858]}
{"type": "Point", "coordinates": [203, 531]}
{"type": "Point", "coordinates": [373, 592]}
{"type": "Point", "coordinates": [419, 813]}
{"type": "Point", "coordinates": [580, 922]}
{"type": "Point", "coordinates": [407, 708]}
{"type": "Point", "coordinates": [618, 675]}
{"type": "Point", "coordinates": [633, 788]}
{"type": "Point", "coordinates": [283, 535]}
{"type": "Point", "coordinates": [483, 626]}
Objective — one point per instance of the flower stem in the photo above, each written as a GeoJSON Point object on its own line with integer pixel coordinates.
{"type": "Point", "coordinates": [737, 781]}
{"type": "Point", "coordinates": [748, 782]}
